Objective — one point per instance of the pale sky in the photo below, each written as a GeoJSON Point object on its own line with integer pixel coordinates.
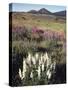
{"type": "Point", "coordinates": [19, 7]}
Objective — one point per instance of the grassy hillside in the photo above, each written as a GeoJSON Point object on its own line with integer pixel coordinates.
{"type": "Point", "coordinates": [38, 33]}
{"type": "Point", "coordinates": [38, 20]}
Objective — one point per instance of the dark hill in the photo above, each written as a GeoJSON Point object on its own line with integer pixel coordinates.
{"type": "Point", "coordinates": [44, 11]}
{"type": "Point", "coordinates": [32, 11]}
{"type": "Point", "coordinates": [41, 11]}
{"type": "Point", "coordinates": [61, 13]}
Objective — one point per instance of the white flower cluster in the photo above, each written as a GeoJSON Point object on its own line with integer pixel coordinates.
{"type": "Point", "coordinates": [40, 62]}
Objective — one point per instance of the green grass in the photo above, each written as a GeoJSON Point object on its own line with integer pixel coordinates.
{"type": "Point", "coordinates": [39, 21]}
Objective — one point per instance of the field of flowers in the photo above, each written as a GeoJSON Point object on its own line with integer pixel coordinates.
{"type": "Point", "coordinates": [38, 45]}
{"type": "Point", "coordinates": [38, 56]}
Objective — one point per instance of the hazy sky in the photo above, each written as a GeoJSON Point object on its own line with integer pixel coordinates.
{"type": "Point", "coordinates": [19, 7]}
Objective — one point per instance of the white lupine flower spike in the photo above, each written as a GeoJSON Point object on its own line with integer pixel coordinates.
{"type": "Point", "coordinates": [20, 73]}
{"type": "Point", "coordinates": [39, 62]}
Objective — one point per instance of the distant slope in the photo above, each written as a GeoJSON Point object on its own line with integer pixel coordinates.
{"type": "Point", "coordinates": [32, 11]}
{"type": "Point", "coordinates": [41, 11]}
{"type": "Point", "coordinates": [44, 11]}
{"type": "Point", "coordinates": [61, 13]}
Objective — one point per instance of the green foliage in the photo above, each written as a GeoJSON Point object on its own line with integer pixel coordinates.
{"type": "Point", "coordinates": [23, 42]}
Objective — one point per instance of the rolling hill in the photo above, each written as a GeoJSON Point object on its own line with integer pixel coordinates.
{"type": "Point", "coordinates": [41, 11]}
{"type": "Point", "coordinates": [45, 11]}
{"type": "Point", "coordinates": [61, 13]}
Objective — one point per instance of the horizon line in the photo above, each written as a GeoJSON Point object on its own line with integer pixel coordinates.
{"type": "Point", "coordinates": [23, 7]}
